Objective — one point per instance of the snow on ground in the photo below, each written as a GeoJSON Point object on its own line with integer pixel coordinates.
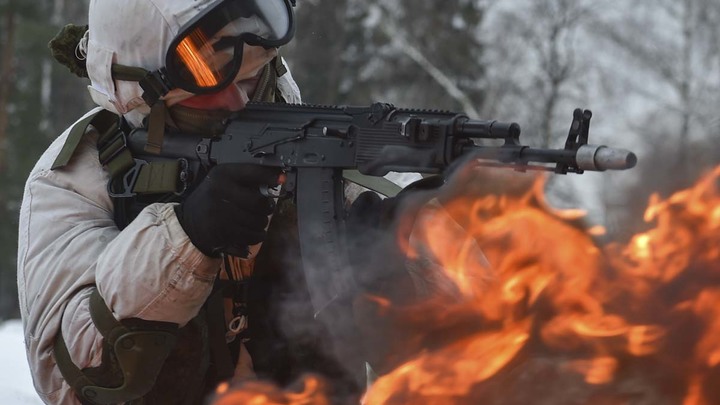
{"type": "Point", "coordinates": [16, 386]}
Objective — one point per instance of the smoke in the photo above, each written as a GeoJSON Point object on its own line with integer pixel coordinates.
{"type": "Point", "coordinates": [299, 326]}
{"type": "Point", "coordinates": [291, 335]}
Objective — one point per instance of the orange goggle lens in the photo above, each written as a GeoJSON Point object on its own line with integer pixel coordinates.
{"type": "Point", "coordinates": [207, 53]}
{"type": "Point", "coordinates": [194, 54]}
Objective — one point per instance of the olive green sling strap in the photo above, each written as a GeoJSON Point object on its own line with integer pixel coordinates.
{"type": "Point", "coordinates": [103, 120]}
{"type": "Point", "coordinates": [115, 156]}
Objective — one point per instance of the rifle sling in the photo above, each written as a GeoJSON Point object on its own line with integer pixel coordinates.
{"type": "Point", "coordinates": [102, 120]}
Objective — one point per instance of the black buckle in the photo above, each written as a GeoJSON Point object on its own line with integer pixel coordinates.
{"type": "Point", "coordinates": [155, 84]}
{"type": "Point", "coordinates": [122, 187]}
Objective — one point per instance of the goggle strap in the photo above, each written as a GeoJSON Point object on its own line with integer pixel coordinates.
{"type": "Point", "coordinates": [154, 84]}
{"type": "Point", "coordinates": [127, 73]}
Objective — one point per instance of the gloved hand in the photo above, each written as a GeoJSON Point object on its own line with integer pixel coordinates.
{"type": "Point", "coordinates": [376, 230]}
{"type": "Point", "coordinates": [227, 213]}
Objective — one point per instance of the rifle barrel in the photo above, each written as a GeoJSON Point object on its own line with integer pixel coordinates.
{"type": "Point", "coordinates": [586, 157]}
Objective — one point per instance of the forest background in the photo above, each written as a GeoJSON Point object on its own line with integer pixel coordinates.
{"type": "Point", "coordinates": [649, 70]}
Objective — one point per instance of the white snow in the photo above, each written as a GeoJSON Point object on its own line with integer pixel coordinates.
{"type": "Point", "coordinates": [16, 387]}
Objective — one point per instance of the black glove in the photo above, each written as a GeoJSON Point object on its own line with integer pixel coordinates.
{"type": "Point", "coordinates": [227, 213]}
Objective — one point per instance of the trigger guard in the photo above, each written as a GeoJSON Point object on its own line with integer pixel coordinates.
{"type": "Point", "coordinates": [271, 192]}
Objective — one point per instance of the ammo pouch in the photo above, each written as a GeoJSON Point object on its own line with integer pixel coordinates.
{"type": "Point", "coordinates": [137, 348]}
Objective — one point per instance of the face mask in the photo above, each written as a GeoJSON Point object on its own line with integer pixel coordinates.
{"type": "Point", "coordinates": [190, 120]}
{"type": "Point", "coordinates": [193, 116]}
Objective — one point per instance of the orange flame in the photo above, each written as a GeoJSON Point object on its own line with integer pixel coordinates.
{"type": "Point", "coordinates": [263, 393]}
{"type": "Point", "coordinates": [473, 361]}
{"type": "Point", "coordinates": [599, 306]}
{"type": "Point", "coordinates": [546, 310]}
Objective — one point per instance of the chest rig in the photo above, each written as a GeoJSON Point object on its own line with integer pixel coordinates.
{"type": "Point", "coordinates": [154, 362]}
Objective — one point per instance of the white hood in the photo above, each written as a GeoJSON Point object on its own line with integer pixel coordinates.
{"type": "Point", "coordinates": [138, 33]}
{"type": "Point", "coordinates": [132, 33]}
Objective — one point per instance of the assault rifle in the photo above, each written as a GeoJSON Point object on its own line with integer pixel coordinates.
{"type": "Point", "coordinates": [315, 144]}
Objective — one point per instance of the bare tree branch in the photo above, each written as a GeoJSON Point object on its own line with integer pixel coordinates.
{"type": "Point", "coordinates": [392, 31]}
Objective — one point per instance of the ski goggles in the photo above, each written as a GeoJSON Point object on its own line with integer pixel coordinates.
{"type": "Point", "coordinates": [206, 55]}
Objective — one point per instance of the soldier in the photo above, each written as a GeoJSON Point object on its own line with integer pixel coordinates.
{"type": "Point", "coordinates": [104, 275]}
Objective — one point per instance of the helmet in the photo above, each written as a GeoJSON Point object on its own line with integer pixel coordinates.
{"type": "Point", "coordinates": [170, 40]}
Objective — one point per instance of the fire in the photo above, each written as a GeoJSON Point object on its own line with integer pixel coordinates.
{"type": "Point", "coordinates": [528, 307]}
{"type": "Point", "coordinates": [262, 393]}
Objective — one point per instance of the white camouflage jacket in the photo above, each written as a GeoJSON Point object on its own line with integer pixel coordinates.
{"type": "Point", "coordinates": [68, 242]}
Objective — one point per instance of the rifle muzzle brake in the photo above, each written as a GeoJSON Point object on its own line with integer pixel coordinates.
{"type": "Point", "coordinates": [600, 158]}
